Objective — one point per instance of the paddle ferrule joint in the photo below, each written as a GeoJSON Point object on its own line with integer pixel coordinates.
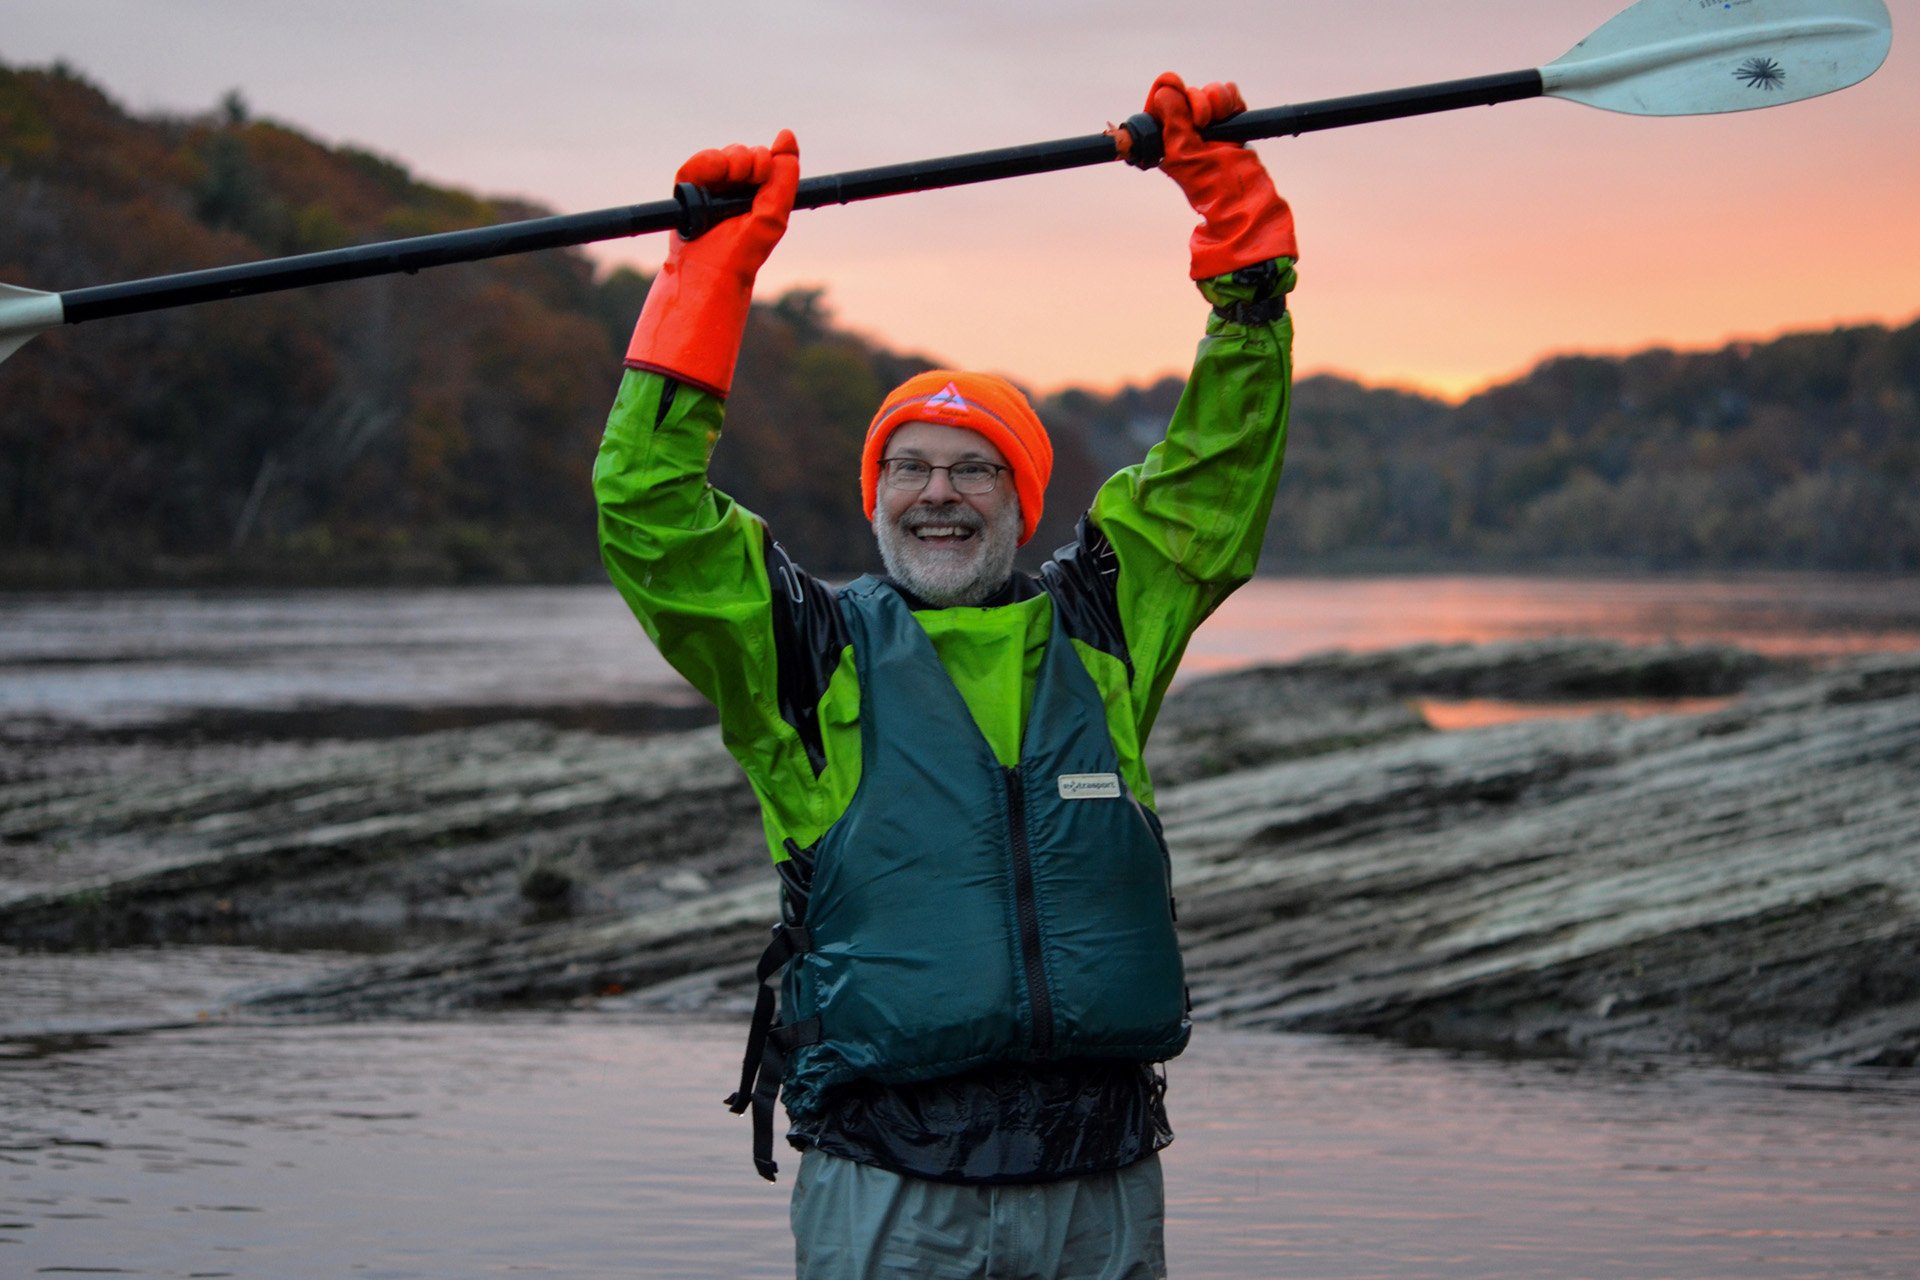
{"type": "Point", "coordinates": [1147, 144]}
{"type": "Point", "coordinates": [696, 210]}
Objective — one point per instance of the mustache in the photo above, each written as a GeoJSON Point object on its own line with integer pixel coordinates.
{"type": "Point", "coordinates": [953, 513]}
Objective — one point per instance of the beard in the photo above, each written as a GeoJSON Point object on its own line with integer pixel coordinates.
{"type": "Point", "coordinates": [954, 571]}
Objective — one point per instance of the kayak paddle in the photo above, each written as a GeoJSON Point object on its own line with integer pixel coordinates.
{"type": "Point", "coordinates": [1655, 58]}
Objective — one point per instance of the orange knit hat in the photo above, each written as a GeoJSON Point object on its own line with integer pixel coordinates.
{"type": "Point", "coordinates": [979, 402]}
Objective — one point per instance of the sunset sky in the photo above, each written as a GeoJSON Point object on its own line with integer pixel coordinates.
{"type": "Point", "coordinates": [1442, 253]}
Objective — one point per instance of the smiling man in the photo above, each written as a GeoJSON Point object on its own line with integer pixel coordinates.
{"type": "Point", "coordinates": [977, 967]}
{"type": "Point", "coordinates": [946, 524]}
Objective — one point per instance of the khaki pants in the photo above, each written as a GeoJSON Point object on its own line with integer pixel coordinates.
{"type": "Point", "coordinates": [855, 1222]}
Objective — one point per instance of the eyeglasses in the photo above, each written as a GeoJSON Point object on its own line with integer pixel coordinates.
{"type": "Point", "coordinates": [914, 475]}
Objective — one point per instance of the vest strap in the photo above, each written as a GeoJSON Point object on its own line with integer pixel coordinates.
{"type": "Point", "coordinates": [765, 1063]}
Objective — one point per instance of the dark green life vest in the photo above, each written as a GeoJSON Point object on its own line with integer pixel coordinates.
{"type": "Point", "coordinates": [963, 913]}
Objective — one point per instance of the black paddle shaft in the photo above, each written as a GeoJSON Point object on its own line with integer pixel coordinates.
{"type": "Point", "coordinates": [692, 211]}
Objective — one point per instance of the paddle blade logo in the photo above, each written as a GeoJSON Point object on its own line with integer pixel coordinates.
{"type": "Point", "coordinates": [1761, 73]}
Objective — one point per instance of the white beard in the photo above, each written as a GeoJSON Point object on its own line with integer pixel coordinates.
{"type": "Point", "coordinates": [963, 573]}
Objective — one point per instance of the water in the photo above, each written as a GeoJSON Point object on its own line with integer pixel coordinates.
{"type": "Point", "coordinates": [582, 1147]}
{"type": "Point", "coordinates": [1275, 619]}
{"type": "Point", "coordinates": [124, 658]}
{"type": "Point", "coordinates": [132, 657]}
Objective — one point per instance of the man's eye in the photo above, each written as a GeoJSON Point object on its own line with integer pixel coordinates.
{"type": "Point", "coordinates": [972, 472]}
{"type": "Point", "coordinates": [912, 470]}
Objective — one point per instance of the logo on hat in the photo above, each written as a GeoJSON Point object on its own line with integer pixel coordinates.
{"type": "Point", "coordinates": [947, 400]}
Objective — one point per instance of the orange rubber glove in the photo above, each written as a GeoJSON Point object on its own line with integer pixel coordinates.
{"type": "Point", "coordinates": [696, 311]}
{"type": "Point", "coordinates": [1243, 219]}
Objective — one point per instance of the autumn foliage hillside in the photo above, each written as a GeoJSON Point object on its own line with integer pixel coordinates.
{"type": "Point", "coordinates": [438, 427]}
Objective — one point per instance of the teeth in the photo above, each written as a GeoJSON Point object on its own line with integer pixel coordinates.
{"type": "Point", "coordinates": [941, 531]}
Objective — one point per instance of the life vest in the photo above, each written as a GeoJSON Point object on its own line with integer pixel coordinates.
{"type": "Point", "coordinates": [962, 913]}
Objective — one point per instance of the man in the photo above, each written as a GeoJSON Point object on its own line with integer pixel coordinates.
{"type": "Point", "coordinates": [977, 958]}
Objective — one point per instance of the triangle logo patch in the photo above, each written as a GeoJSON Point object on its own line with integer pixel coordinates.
{"type": "Point", "coordinates": [948, 400]}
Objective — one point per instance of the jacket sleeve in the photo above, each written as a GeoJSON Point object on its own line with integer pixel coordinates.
{"type": "Point", "coordinates": [693, 565]}
{"type": "Point", "coordinates": [1185, 525]}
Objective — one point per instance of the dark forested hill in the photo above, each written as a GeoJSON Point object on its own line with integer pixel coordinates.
{"type": "Point", "coordinates": [1803, 452]}
{"type": "Point", "coordinates": [434, 426]}
{"type": "Point", "coordinates": [441, 427]}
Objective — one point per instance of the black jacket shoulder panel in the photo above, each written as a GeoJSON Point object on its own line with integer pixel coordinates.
{"type": "Point", "coordinates": [809, 635]}
{"type": "Point", "coordinates": [1084, 580]}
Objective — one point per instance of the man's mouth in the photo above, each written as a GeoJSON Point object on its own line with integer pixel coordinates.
{"type": "Point", "coordinates": [942, 534]}
{"type": "Point", "coordinates": [943, 526]}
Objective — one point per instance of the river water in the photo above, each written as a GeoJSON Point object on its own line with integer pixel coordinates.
{"type": "Point", "coordinates": [582, 1147]}
{"type": "Point", "coordinates": [129, 657]}
{"type": "Point", "coordinates": [591, 1143]}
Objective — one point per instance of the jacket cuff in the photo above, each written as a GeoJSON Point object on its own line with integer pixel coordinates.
{"type": "Point", "coordinates": [1251, 295]}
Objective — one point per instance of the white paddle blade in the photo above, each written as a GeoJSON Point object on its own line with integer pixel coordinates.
{"type": "Point", "coordinates": [1702, 57]}
{"type": "Point", "coordinates": [24, 313]}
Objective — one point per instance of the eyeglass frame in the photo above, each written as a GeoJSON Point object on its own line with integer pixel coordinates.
{"type": "Point", "coordinates": [993, 468]}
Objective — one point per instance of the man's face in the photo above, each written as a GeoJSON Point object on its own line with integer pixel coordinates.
{"type": "Point", "coordinates": [945, 546]}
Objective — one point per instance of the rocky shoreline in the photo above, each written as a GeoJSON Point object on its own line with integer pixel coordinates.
{"type": "Point", "coordinates": [1737, 878]}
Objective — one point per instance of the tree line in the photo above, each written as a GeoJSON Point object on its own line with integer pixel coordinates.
{"type": "Point", "coordinates": [1802, 452]}
{"type": "Point", "coordinates": [441, 427]}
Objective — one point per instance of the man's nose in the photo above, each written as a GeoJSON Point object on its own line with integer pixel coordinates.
{"type": "Point", "coordinates": [940, 487]}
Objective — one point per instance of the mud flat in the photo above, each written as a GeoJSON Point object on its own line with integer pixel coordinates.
{"type": "Point", "coordinates": [1737, 877]}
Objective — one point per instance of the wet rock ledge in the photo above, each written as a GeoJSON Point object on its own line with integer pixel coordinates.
{"type": "Point", "coordinates": [1738, 877]}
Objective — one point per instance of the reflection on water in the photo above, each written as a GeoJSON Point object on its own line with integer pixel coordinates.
{"type": "Point", "coordinates": [1274, 619]}
{"type": "Point", "coordinates": [128, 657]}
{"type": "Point", "coordinates": [1447, 714]}
{"type": "Point", "coordinates": [579, 1147]}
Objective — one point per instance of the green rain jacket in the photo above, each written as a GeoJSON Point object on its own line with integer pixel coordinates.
{"type": "Point", "coordinates": [1163, 544]}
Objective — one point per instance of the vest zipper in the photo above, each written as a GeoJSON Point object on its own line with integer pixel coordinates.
{"type": "Point", "coordinates": [1027, 909]}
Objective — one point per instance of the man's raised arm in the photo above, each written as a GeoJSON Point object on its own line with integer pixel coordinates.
{"type": "Point", "coordinates": [687, 558]}
{"type": "Point", "coordinates": [1185, 525]}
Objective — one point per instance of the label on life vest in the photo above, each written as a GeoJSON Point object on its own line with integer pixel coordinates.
{"type": "Point", "coordinates": [1089, 786]}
